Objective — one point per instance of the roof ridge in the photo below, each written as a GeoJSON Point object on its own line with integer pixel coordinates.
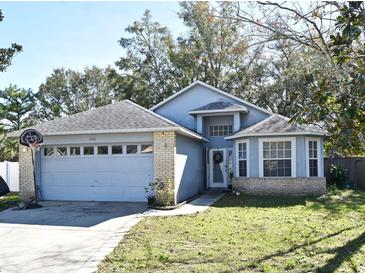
{"type": "Point", "coordinates": [215, 89]}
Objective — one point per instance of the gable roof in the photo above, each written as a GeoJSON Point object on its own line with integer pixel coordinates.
{"type": "Point", "coordinates": [211, 88]}
{"type": "Point", "coordinates": [121, 117]}
{"type": "Point", "coordinates": [276, 125]}
{"type": "Point", "coordinates": [219, 106]}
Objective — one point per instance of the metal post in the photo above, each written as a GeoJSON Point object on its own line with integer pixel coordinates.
{"type": "Point", "coordinates": [34, 176]}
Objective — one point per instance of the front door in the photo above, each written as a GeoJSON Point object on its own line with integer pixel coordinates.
{"type": "Point", "coordinates": [217, 168]}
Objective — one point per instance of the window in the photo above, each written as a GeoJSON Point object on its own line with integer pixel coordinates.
{"type": "Point", "coordinates": [132, 149]}
{"type": "Point", "coordinates": [48, 151]}
{"type": "Point", "coordinates": [220, 130]}
{"type": "Point", "coordinates": [146, 149]}
{"type": "Point", "coordinates": [102, 150]}
{"type": "Point", "coordinates": [88, 150]}
{"type": "Point", "coordinates": [117, 149]}
{"type": "Point", "coordinates": [277, 159]}
{"type": "Point", "coordinates": [74, 151]}
{"type": "Point", "coordinates": [312, 158]}
{"type": "Point", "coordinates": [242, 159]}
{"type": "Point", "coordinates": [61, 151]}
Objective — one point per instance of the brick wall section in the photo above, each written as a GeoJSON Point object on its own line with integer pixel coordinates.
{"type": "Point", "coordinates": [164, 151]}
{"type": "Point", "coordinates": [284, 186]}
{"type": "Point", "coordinates": [26, 179]}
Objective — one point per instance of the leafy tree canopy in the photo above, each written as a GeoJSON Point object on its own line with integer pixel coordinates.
{"type": "Point", "coordinates": [213, 49]}
{"type": "Point", "coordinates": [67, 92]}
{"type": "Point", "coordinates": [7, 54]}
{"type": "Point", "coordinates": [16, 105]}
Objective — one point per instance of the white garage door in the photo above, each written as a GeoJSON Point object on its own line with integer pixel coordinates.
{"type": "Point", "coordinates": [96, 173]}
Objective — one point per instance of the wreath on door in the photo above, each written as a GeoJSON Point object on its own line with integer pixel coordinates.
{"type": "Point", "coordinates": [217, 157]}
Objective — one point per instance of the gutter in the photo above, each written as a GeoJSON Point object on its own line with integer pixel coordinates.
{"type": "Point", "coordinates": [183, 131]}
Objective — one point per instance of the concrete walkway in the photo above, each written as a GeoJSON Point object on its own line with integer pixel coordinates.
{"type": "Point", "coordinates": [198, 205]}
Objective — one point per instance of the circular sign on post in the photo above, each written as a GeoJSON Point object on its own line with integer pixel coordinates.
{"type": "Point", "coordinates": [31, 138]}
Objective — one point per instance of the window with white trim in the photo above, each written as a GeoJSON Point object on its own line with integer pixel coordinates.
{"type": "Point", "coordinates": [132, 149]}
{"type": "Point", "coordinates": [277, 159]}
{"type": "Point", "coordinates": [48, 151]}
{"type": "Point", "coordinates": [313, 158]}
{"type": "Point", "coordinates": [102, 150]}
{"type": "Point", "coordinates": [220, 130]}
{"type": "Point", "coordinates": [75, 151]}
{"type": "Point", "coordinates": [242, 159]}
{"type": "Point", "coordinates": [89, 150]}
{"type": "Point", "coordinates": [146, 149]}
{"type": "Point", "coordinates": [61, 151]}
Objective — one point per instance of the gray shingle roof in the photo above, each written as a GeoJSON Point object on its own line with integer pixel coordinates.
{"type": "Point", "coordinates": [124, 116]}
{"type": "Point", "coordinates": [277, 125]}
{"type": "Point", "coordinates": [220, 105]}
{"type": "Point", "coordinates": [120, 115]}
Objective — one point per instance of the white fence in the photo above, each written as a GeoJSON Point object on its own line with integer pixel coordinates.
{"type": "Point", "coordinates": [10, 173]}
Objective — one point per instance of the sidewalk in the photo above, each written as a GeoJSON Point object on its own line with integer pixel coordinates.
{"type": "Point", "coordinates": [198, 205]}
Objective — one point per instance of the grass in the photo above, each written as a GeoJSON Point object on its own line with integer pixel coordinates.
{"type": "Point", "coordinates": [246, 234]}
{"type": "Point", "coordinates": [9, 200]}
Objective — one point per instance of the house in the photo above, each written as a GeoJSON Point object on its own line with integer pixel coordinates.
{"type": "Point", "coordinates": [200, 137]}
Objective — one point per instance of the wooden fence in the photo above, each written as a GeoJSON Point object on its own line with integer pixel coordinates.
{"type": "Point", "coordinates": [355, 167]}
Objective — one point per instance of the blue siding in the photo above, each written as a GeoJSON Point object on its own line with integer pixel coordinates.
{"type": "Point", "coordinates": [217, 141]}
{"type": "Point", "coordinates": [177, 109]}
{"type": "Point", "coordinates": [191, 166]}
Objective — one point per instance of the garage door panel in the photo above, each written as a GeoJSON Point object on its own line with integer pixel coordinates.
{"type": "Point", "coordinates": [93, 194]}
{"type": "Point", "coordinates": [102, 164]}
{"type": "Point", "coordinates": [99, 179]}
{"type": "Point", "coordinates": [96, 178]}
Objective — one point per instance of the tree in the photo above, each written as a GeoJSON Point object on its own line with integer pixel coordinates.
{"type": "Point", "coordinates": [344, 93]}
{"type": "Point", "coordinates": [288, 72]}
{"type": "Point", "coordinates": [7, 54]}
{"type": "Point", "coordinates": [146, 66]}
{"type": "Point", "coordinates": [67, 92]}
{"type": "Point", "coordinates": [333, 94]}
{"type": "Point", "coordinates": [16, 105]}
{"type": "Point", "coordinates": [213, 50]}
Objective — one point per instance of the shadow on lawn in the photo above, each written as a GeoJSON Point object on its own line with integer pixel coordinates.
{"type": "Point", "coordinates": [343, 253]}
{"type": "Point", "coordinates": [336, 201]}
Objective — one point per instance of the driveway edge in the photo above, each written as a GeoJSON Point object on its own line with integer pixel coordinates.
{"type": "Point", "coordinates": [91, 265]}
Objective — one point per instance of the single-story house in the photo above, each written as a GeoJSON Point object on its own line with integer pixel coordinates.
{"type": "Point", "coordinates": [201, 138]}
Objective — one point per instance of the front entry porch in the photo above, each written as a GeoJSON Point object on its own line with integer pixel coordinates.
{"type": "Point", "coordinates": [219, 168]}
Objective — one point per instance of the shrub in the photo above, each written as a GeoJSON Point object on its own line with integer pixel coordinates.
{"type": "Point", "coordinates": [338, 176]}
{"type": "Point", "coordinates": [161, 193]}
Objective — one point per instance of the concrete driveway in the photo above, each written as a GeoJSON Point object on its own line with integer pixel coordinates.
{"type": "Point", "coordinates": [60, 236]}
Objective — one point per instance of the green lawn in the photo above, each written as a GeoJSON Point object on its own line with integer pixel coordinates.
{"type": "Point", "coordinates": [9, 200]}
{"type": "Point", "coordinates": [245, 234]}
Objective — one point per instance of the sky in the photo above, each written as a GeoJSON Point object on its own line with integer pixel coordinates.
{"type": "Point", "coordinates": [71, 35]}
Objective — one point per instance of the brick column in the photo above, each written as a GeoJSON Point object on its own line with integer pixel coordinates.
{"type": "Point", "coordinates": [26, 179]}
{"type": "Point", "coordinates": [164, 151]}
